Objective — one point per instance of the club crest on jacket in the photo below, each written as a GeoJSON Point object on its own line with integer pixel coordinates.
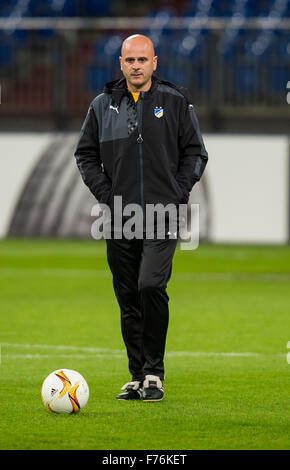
{"type": "Point", "coordinates": [158, 112]}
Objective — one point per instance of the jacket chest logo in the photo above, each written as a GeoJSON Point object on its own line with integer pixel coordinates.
{"type": "Point", "coordinates": [158, 112]}
{"type": "Point", "coordinates": [115, 108]}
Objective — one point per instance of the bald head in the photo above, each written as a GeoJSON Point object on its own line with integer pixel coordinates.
{"type": "Point", "coordinates": [137, 40]}
{"type": "Point", "coordinates": [138, 62]}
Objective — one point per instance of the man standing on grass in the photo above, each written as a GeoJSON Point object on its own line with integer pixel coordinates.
{"type": "Point", "coordinates": [141, 141]}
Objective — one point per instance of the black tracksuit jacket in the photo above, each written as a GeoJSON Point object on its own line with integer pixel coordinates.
{"type": "Point", "coordinates": [125, 149]}
{"type": "Point", "coordinates": [148, 152]}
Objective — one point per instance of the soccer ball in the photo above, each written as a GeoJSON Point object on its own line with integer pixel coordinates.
{"type": "Point", "coordinates": [64, 391]}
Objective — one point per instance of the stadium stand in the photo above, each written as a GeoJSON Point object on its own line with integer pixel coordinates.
{"type": "Point", "coordinates": [47, 71]}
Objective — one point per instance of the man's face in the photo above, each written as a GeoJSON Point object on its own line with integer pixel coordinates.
{"type": "Point", "coordinates": [138, 63]}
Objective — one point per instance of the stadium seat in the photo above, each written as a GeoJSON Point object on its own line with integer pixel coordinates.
{"type": "Point", "coordinates": [246, 79]}
{"type": "Point", "coordinates": [97, 74]}
{"type": "Point", "coordinates": [95, 7]}
{"type": "Point", "coordinates": [20, 36]}
{"type": "Point", "coordinates": [55, 8]}
{"type": "Point", "coordinates": [284, 49]}
{"type": "Point", "coordinates": [6, 7]}
{"type": "Point", "coordinates": [161, 17]}
{"type": "Point", "coordinates": [193, 47]}
{"type": "Point", "coordinates": [200, 7]}
{"type": "Point", "coordinates": [176, 74]}
{"type": "Point", "coordinates": [102, 68]}
{"type": "Point", "coordinates": [5, 53]}
{"type": "Point", "coordinates": [278, 77]}
{"type": "Point", "coordinates": [282, 45]}
{"type": "Point", "coordinates": [68, 9]}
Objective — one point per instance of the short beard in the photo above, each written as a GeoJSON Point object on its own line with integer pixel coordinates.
{"type": "Point", "coordinates": [138, 86]}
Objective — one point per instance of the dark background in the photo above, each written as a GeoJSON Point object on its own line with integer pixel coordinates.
{"type": "Point", "coordinates": [234, 56]}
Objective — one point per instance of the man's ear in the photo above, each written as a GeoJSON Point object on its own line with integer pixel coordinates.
{"type": "Point", "coordinates": [120, 59]}
{"type": "Point", "coordinates": [155, 59]}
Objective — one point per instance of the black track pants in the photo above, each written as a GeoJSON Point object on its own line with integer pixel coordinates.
{"type": "Point", "coordinates": [141, 270]}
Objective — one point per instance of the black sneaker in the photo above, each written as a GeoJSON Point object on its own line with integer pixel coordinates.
{"type": "Point", "coordinates": [132, 391]}
{"type": "Point", "coordinates": [152, 389]}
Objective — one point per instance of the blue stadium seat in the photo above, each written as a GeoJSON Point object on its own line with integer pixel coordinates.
{"type": "Point", "coordinates": [40, 8]}
{"type": "Point", "coordinates": [108, 46]}
{"type": "Point", "coordinates": [278, 77]}
{"type": "Point", "coordinates": [20, 35]}
{"type": "Point", "coordinates": [95, 7]}
{"type": "Point", "coordinates": [6, 7]}
{"type": "Point", "coordinates": [203, 78]}
{"type": "Point", "coordinates": [96, 76]}
{"type": "Point", "coordinates": [162, 17]}
{"type": "Point", "coordinates": [176, 74]}
{"type": "Point", "coordinates": [222, 8]}
{"type": "Point", "coordinates": [246, 79]}
{"type": "Point", "coordinates": [252, 8]}
{"type": "Point", "coordinates": [284, 48]}
{"type": "Point", "coordinates": [282, 45]}
{"type": "Point", "coordinates": [5, 53]}
{"type": "Point", "coordinates": [256, 49]}
{"type": "Point", "coordinates": [100, 44]}
{"type": "Point", "coordinates": [104, 63]}
{"type": "Point", "coordinates": [45, 33]}
{"type": "Point", "coordinates": [189, 45]}
{"type": "Point", "coordinates": [112, 46]}
{"type": "Point", "coordinates": [50, 8]}
{"type": "Point", "coordinates": [233, 46]}
{"type": "Point", "coordinates": [55, 8]}
{"type": "Point", "coordinates": [195, 6]}
{"type": "Point", "coordinates": [69, 9]}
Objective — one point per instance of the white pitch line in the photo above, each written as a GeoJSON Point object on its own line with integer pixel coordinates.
{"type": "Point", "coordinates": [62, 356]}
{"type": "Point", "coordinates": [176, 276]}
{"type": "Point", "coordinates": [232, 276]}
{"type": "Point", "coordinates": [105, 352]}
{"type": "Point", "coordinates": [57, 272]}
{"type": "Point", "coordinates": [62, 347]}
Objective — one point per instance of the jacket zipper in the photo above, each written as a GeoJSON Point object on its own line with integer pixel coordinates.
{"type": "Point", "coordinates": [140, 142]}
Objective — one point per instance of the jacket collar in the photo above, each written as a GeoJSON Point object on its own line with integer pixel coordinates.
{"type": "Point", "coordinates": [118, 89]}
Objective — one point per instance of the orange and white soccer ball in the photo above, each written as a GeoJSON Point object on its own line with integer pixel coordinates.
{"type": "Point", "coordinates": [65, 391]}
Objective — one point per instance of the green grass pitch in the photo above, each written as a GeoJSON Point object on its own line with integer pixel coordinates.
{"type": "Point", "coordinates": [227, 377]}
